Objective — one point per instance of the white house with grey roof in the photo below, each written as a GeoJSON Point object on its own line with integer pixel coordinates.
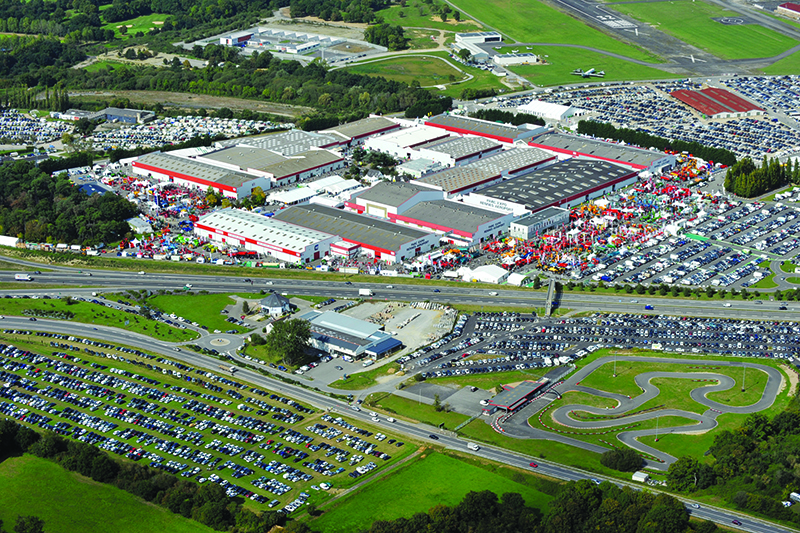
{"type": "Point", "coordinates": [275, 305]}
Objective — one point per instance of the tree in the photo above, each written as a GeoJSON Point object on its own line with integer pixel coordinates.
{"type": "Point", "coordinates": [623, 459]}
{"type": "Point", "coordinates": [29, 524]}
{"type": "Point", "coordinates": [437, 403]}
{"type": "Point", "coordinates": [456, 16]}
{"type": "Point", "coordinates": [465, 55]}
{"type": "Point", "coordinates": [683, 474]}
{"type": "Point", "coordinates": [245, 308]}
{"type": "Point", "coordinates": [288, 340]}
{"type": "Point", "coordinates": [443, 16]}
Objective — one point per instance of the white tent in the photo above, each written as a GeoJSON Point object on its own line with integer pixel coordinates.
{"type": "Point", "coordinates": [517, 279]}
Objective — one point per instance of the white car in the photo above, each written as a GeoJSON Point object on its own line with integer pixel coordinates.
{"type": "Point", "coordinates": [390, 419]}
{"type": "Point", "coordinates": [376, 419]}
{"type": "Point", "coordinates": [141, 272]}
{"type": "Point", "coordinates": [390, 286]}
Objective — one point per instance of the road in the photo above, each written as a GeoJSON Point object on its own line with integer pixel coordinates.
{"type": "Point", "coordinates": [475, 296]}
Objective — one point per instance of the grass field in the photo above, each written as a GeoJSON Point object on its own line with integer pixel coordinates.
{"type": "Point", "coordinates": [676, 394]}
{"type": "Point", "coordinates": [514, 18]}
{"type": "Point", "coordinates": [426, 70]}
{"type": "Point", "coordinates": [489, 381]}
{"type": "Point", "coordinates": [409, 17]}
{"type": "Point", "coordinates": [142, 24]}
{"type": "Point", "coordinates": [403, 493]}
{"type": "Point", "coordinates": [692, 23]}
{"type": "Point", "coordinates": [201, 308]}
{"type": "Point", "coordinates": [421, 39]}
{"type": "Point", "coordinates": [397, 405]}
{"type": "Point", "coordinates": [71, 503]}
{"type": "Point", "coordinates": [100, 65]}
{"type": "Point", "coordinates": [788, 267]}
{"type": "Point", "coordinates": [90, 313]}
{"type": "Point", "coordinates": [562, 61]}
{"type": "Point", "coordinates": [794, 280]}
{"type": "Point", "coordinates": [363, 380]}
{"type": "Point", "coordinates": [590, 400]}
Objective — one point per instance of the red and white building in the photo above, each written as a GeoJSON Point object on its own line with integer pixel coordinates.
{"type": "Point", "coordinates": [251, 231]}
{"type": "Point", "coordinates": [789, 9]}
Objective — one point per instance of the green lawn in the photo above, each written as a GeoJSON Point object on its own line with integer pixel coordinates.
{"type": "Point", "coordinates": [794, 280]}
{"type": "Point", "coordinates": [71, 503]}
{"type": "Point", "coordinates": [102, 65]}
{"type": "Point", "coordinates": [142, 24]}
{"type": "Point", "coordinates": [694, 445]}
{"type": "Point", "coordinates": [489, 381]}
{"type": "Point", "coordinates": [90, 313]}
{"type": "Point", "coordinates": [691, 22]}
{"type": "Point", "coordinates": [562, 61]}
{"type": "Point", "coordinates": [366, 379]}
{"type": "Point", "coordinates": [536, 22]}
{"type": "Point", "coordinates": [421, 39]}
{"type": "Point", "coordinates": [675, 392]}
{"type": "Point", "coordinates": [767, 282]}
{"type": "Point", "coordinates": [201, 308]}
{"type": "Point", "coordinates": [433, 479]}
{"type": "Point", "coordinates": [426, 70]}
{"type": "Point", "coordinates": [397, 405]}
{"type": "Point", "coordinates": [787, 65]}
{"type": "Point", "coordinates": [584, 398]}
{"type": "Point", "coordinates": [409, 17]}
{"type": "Point", "coordinates": [788, 267]}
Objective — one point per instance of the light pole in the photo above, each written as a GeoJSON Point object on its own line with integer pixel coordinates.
{"type": "Point", "coordinates": [744, 369]}
{"type": "Point", "coordinates": [615, 365]}
{"type": "Point", "coordinates": [657, 428]}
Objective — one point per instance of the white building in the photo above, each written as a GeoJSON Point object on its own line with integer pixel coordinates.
{"type": "Point", "coordinates": [251, 231]}
{"type": "Point", "coordinates": [547, 110]}
{"type": "Point", "coordinates": [641, 477]}
{"type": "Point", "coordinates": [297, 196]}
{"type": "Point", "coordinates": [522, 58]}
{"type": "Point", "coordinates": [528, 227]}
{"type": "Point", "coordinates": [485, 274]}
{"type": "Point", "coordinates": [402, 143]}
{"type": "Point", "coordinates": [479, 37]}
{"type": "Point", "coordinates": [275, 305]}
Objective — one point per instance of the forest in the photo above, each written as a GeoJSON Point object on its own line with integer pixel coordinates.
{"type": "Point", "coordinates": [755, 466]}
{"type": "Point", "coordinates": [748, 181]}
{"type": "Point", "coordinates": [42, 208]}
{"type": "Point", "coordinates": [338, 10]}
{"type": "Point", "coordinates": [646, 140]}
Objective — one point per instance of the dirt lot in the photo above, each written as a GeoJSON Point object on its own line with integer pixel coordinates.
{"type": "Point", "coordinates": [350, 48]}
{"type": "Point", "coordinates": [194, 101]}
{"type": "Point", "coordinates": [422, 330]}
{"type": "Point", "coordinates": [345, 30]}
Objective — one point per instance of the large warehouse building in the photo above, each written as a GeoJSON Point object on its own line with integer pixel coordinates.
{"type": "Point", "coordinates": [402, 143]}
{"type": "Point", "coordinates": [360, 130]}
{"type": "Point", "coordinates": [587, 147]}
{"type": "Point", "coordinates": [292, 142]}
{"type": "Point", "coordinates": [198, 175]}
{"type": "Point", "coordinates": [380, 238]}
{"type": "Point", "coordinates": [492, 169]}
{"type": "Point", "coordinates": [564, 184]}
{"type": "Point", "coordinates": [717, 103]}
{"type": "Point", "coordinates": [340, 334]}
{"type": "Point", "coordinates": [455, 151]}
{"type": "Point", "coordinates": [483, 128]}
{"type": "Point", "coordinates": [424, 208]}
{"type": "Point", "coordinates": [251, 231]}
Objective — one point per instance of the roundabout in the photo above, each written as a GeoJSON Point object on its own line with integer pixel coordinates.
{"type": "Point", "coordinates": [682, 399]}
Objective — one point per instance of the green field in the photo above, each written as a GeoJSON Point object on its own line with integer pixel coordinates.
{"type": "Point", "coordinates": [421, 39]}
{"type": "Point", "coordinates": [102, 65]}
{"type": "Point", "coordinates": [71, 503]}
{"type": "Point", "coordinates": [692, 23]}
{"type": "Point", "coordinates": [142, 24]}
{"type": "Point", "coordinates": [366, 379]}
{"type": "Point", "coordinates": [489, 381]}
{"type": "Point", "coordinates": [427, 71]}
{"type": "Point", "coordinates": [794, 280]}
{"type": "Point", "coordinates": [535, 22]}
{"type": "Point", "coordinates": [409, 17]}
{"type": "Point", "coordinates": [563, 60]}
{"type": "Point", "coordinates": [433, 479]}
{"type": "Point", "coordinates": [201, 308]}
{"type": "Point", "coordinates": [89, 313]}
{"type": "Point", "coordinates": [397, 405]}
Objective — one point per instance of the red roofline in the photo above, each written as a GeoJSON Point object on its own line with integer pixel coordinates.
{"type": "Point", "coordinates": [470, 132]}
{"type": "Point", "coordinates": [180, 176]}
{"type": "Point", "coordinates": [433, 226]}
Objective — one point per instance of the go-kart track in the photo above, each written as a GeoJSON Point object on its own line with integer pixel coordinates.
{"type": "Point", "coordinates": [517, 425]}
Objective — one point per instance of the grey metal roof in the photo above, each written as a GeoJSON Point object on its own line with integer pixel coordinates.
{"type": "Point", "coordinates": [547, 185]}
{"type": "Point", "coordinates": [507, 162]}
{"type": "Point", "coordinates": [300, 163]}
{"type": "Point", "coordinates": [391, 194]}
{"type": "Point", "coordinates": [454, 215]}
{"type": "Point", "coordinates": [541, 216]}
{"type": "Point", "coordinates": [596, 147]}
{"type": "Point", "coordinates": [510, 398]}
{"type": "Point", "coordinates": [258, 227]}
{"type": "Point", "coordinates": [274, 300]}
{"type": "Point", "coordinates": [193, 168]}
{"type": "Point", "coordinates": [245, 156]}
{"type": "Point", "coordinates": [365, 126]}
{"type": "Point", "coordinates": [289, 142]}
{"type": "Point", "coordinates": [351, 226]}
{"type": "Point", "coordinates": [478, 126]}
{"type": "Point", "coordinates": [460, 147]}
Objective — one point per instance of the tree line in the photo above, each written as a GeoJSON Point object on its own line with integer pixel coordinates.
{"type": "Point", "coordinates": [207, 504]}
{"type": "Point", "coordinates": [338, 10]}
{"type": "Point", "coordinates": [647, 140]}
{"type": "Point", "coordinates": [498, 115]}
{"type": "Point", "coordinates": [40, 207]}
{"type": "Point", "coordinates": [755, 466]}
{"type": "Point", "coordinates": [746, 180]}
{"type": "Point", "coordinates": [388, 35]}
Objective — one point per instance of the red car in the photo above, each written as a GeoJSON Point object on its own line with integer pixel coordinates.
{"type": "Point", "coordinates": [534, 465]}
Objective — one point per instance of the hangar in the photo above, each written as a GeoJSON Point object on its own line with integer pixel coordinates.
{"type": "Point", "coordinates": [287, 242]}
{"type": "Point", "coordinates": [340, 334]}
{"type": "Point", "coordinates": [564, 184]}
{"type": "Point", "coordinates": [197, 174]}
{"type": "Point", "coordinates": [491, 169]}
{"type": "Point", "coordinates": [717, 103]}
{"type": "Point", "coordinates": [458, 222]}
{"type": "Point", "coordinates": [579, 146]}
{"type": "Point", "coordinates": [386, 199]}
{"type": "Point", "coordinates": [483, 128]}
{"type": "Point", "coordinates": [357, 132]}
{"type": "Point", "coordinates": [402, 143]}
{"type": "Point", "coordinates": [455, 151]}
{"type": "Point", "coordinates": [380, 238]}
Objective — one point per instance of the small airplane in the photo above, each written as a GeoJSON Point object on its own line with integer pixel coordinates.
{"type": "Point", "coordinates": [591, 73]}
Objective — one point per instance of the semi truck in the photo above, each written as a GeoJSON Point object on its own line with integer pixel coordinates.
{"type": "Point", "coordinates": [228, 368]}
{"type": "Point", "coordinates": [23, 277]}
{"type": "Point", "coordinates": [365, 292]}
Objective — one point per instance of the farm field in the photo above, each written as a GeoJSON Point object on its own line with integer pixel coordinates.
{"type": "Point", "coordinates": [437, 479]}
{"type": "Point", "coordinates": [512, 18]}
{"type": "Point", "coordinates": [563, 60]}
{"type": "Point", "coordinates": [71, 503]}
{"type": "Point", "coordinates": [692, 23]}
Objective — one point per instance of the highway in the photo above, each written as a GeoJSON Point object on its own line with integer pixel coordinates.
{"type": "Point", "coordinates": [110, 280]}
